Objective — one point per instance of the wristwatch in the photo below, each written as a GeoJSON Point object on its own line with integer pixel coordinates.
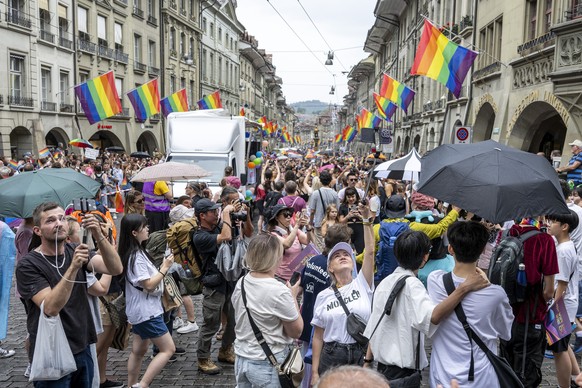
{"type": "Point", "coordinates": [368, 361]}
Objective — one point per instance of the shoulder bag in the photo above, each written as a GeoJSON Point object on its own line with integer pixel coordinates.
{"type": "Point", "coordinates": [355, 325]}
{"type": "Point", "coordinates": [412, 381]}
{"type": "Point", "coordinates": [292, 369]}
{"type": "Point", "coordinates": [505, 374]}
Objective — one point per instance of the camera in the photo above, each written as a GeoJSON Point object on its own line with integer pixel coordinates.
{"type": "Point", "coordinates": [239, 216]}
{"type": "Point", "coordinates": [84, 205]}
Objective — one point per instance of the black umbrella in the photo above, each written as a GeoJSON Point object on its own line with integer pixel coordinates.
{"type": "Point", "coordinates": [140, 154]}
{"type": "Point", "coordinates": [115, 149]}
{"type": "Point", "coordinates": [496, 182]}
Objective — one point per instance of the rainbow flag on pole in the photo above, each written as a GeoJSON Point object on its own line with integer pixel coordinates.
{"type": "Point", "coordinates": [338, 138]}
{"type": "Point", "coordinates": [44, 153]}
{"type": "Point", "coordinates": [145, 100]}
{"type": "Point", "coordinates": [386, 108]}
{"type": "Point", "coordinates": [396, 92]}
{"type": "Point", "coordinates": [211, 101]}
{"type": "Point", "coordinates": [442, 60]}
{"type": "Point", "coordinates": [98, 97]}
{"type": "Point", "coordinates": [12, 164]}
{"type": "Point", "coordinates": [177, 102]}
{"type": "Point", "coordinates": [349, 134]}
{"type": "Point", "coordinates": [368, 119]}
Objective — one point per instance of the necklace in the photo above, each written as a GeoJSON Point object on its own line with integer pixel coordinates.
{"type": "Point", "coordinates": [56, 260]}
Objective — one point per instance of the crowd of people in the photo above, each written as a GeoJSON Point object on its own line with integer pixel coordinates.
{"type": "Point", "coordinates": [389, 267]}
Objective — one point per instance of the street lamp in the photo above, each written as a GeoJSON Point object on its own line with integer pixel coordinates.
{"type": "Point", "coordinates": [329, 61]}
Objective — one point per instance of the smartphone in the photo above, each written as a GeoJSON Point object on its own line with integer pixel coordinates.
{"type": "Point", "coordinates": [294, 278]}
{"type": "Point", "coordinates": [84, 205]}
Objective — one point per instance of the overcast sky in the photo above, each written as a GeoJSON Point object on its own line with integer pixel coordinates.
{"type": "Point", "coordinates": [344, 25]}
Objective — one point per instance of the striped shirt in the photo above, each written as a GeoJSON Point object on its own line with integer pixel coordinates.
{"type": "Point", "coordinates": [575, 175]}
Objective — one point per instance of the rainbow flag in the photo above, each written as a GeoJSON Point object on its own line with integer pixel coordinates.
{"type": "Point", "coordinates": [358, 122]}
{"type": "Point", "coordinates": [386, 108]}
{"type": "Point", "coordinates": [262, 120]}
{"type": "Point", "coordinates": [57, 154]}
{"type": "Point", "coordinates": [44, 153]}
{"type": "Point", "coordinates": [12, 164]}
{"type": "Point", "coordinates": [368, 119]}
{"type": "Point", "coordinates": [338, 138]}
{"type": "Point", "coordinates": [396, 92]}
{"type": "Point", "coordinates": [98, 97]}
{"type": "Point", "coordinates": [349, 133]}
{"type": "Point", "coordinates": [442, 60]}
{"type": "Point", "coordinates": [211, 101]}
{"type": "Point", "coordinates": [145, 100]}
{"type": "Point", "coordinates": [124, 181]}
{"type": "Point", "coordinates": [241, 112]}
{"type": "Point", "coordinates": [297, 139]}
{"type": "Point", "coordinates": [177, 102]}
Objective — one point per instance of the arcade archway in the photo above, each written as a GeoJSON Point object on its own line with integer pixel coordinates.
{"type": "Point", "coordinates": [147, 142]}
{"type": "Point", "coordinates": [103, 139]}
{"type": "Point", "coordinates": [416, 142]}
{"type": "Point", "coordinates": [483, 127]}
{"type": "Point", "coordinates": [539, 128]}
{"type": "Point", "coordinates": [406, 144]}
{"type": "Point", "coordinates": [20, 142]}
{"type": "Point", "coordinates": [56, 136]}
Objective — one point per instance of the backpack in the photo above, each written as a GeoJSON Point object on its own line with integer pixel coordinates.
{"type": "Point", "coordinates": [99, 179]}
{"type": "Point", "coordinates": [385, 260]}
{"type": "Point", "coordinates": [156, 246]}
{"type": "Point", "coordinates": [179, 238]}
{"type": "Point", "coordinates": [271, 200]}
{"type": "Point", "coordinates": [505, 261]}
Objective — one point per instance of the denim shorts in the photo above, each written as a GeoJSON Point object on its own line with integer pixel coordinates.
{"type": "Point", "coordinates": [152, 328]}
{"type": "Point", "coordinates": [257, 373]}
{"type": "Point", "coordinates": [337, 354]}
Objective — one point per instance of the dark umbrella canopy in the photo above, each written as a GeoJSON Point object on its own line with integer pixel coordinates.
{"type": "Point", "coordinates": [22, 193]}
{"type": "Point", "coordinates": [115, 149]}
{"type": "Point", "coordinates": [494, 181]}
{"type": "Point", "coordinates": [140, 154]}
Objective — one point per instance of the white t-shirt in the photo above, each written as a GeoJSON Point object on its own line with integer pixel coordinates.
{"type": "Point", "coordinates": [94, 304]}
{"type": "Point", "coordinates": [576, 236]}
{"type": "Point", "coordinates": [140, 305]}
{"type": "Point", "coordinates": [375, 205]}
{"type": "Point", "coordinates": [411, 313]}
{"type": "Point", "coordinates": [341, 194]}
{"type": "Point", "coordinates": [568, 264]}
{"type": "Point", "coordinates": [329, 314]}
{"type": "Point", "coordinates": [489, 315]}
{"type": "Point", "coordinates": [270, 303]}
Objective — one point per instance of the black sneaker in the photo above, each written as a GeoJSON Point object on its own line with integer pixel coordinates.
{"type": "Point", "coordinates": [180, 351]}
{"type": "Point", "coordinates": [111, 384]}
{"type": "Point", "coordinates": [172, 359]}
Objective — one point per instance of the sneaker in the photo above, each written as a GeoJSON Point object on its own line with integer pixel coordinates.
{"type": "Point", "coordinates": [172, 359]}
{"type": "Point", "coordinates": [226, 355]}
{"type": "Point", "coordinates": [178, 323]}
{"type": "Point", "coordinates": [206, 366]}
{"type": "Point", "coordinates": [6, 353]}
{"type": "Point", "coordinates": [188, 328]}
{"type": "Point", "coordinates": [136, 385]}
{"type": "Point", "coordinates": [577, 346]}
{"type": "Point", "coordinates": [27, 371]}
{"type": "Point", "coordinates": [111, 384]}
{"type": "Point", "coordinates": [180, 351]}
{"type": "Point", "coordinates": [549, 354]}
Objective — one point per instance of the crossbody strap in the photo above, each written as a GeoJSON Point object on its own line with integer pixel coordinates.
{"type": "Point", "coordinates": [450, 287]}
{"type": "Point", "coordinates": [390, 301]}
{"type": "Point", "coordinates": [322, 201]}
{"type": "Point", "coordinates": [256, 330]}
{"type": "Point", "coordinates": [339, 297]}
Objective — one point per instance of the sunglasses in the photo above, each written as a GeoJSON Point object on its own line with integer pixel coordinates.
{"type": "Point", "coordinates": [287, 214]}
{"type": "Point", "coordinates": [353, 179]}
{"type": "Point", "coordinates": [139, 201]}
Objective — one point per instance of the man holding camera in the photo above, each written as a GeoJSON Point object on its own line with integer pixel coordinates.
{"type": "Point", "coordinates": [213, 231]}
{"type": "Point", "coordinates": [54, 274]}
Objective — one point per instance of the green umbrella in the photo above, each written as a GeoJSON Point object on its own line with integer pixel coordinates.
{"type": "Point", "coordinates": [22, 193]}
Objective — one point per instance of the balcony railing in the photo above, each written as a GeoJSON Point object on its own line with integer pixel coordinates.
{"type": "Point", "coordinates": [139, 67]}
{"type": "Point", "coordinates": [48, 106]}
{"type": "Point", "coordinates": [439, 104]}
{"type": "Point", "coordinates": [122, 57]}
{"type": "Point", "coordinates": [155, 118]}
{"type": "Point", "coordinates": [137, 12]}
{"type": "Point", "coordinates": [428, 106]}
{"type": "Point", "coordinates": [538, 43]}
{"type": "Point", "coordinates": [153, 70]}
{"type": "Point", "coordinates": [152, 20]}
{"type": "Point", "coordinates": [66, 43]}
{"type": "Point", "coordinates": [17, 17]}
{"type": "Point", "coordinates": [20, 101]}
{"type": "Point", "coordinates": [121, 2]}
{"type": "Point", "coordinates": [106, 52]}
{"type": "Point", "coordinates": [124, 113]}
{"type": "Point", "coordinates": [183, 12]}
{"type": "Point", "coordinates": [489, 69]}
{"type": "Point", "coordinates": [87, 46]}
{"type": "Point", "coordinates": [47, 36]}
{"type": "Point", "coordinates": [466, 21]}
{"type": "Point", "coordinates": [173, 53]}
{"type": "Point", "coordinates": [575, 12]}
{"type": "Point", "coordinates": [66, 108]}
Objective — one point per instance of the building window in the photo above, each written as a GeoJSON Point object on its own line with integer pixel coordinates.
{"type": "Point", "coordinates": [192, 92]}
{"type": "Point", "coordinates": [220, 70]}
{"type": "Point", "coordinates": [137, 48]}
{"type": "Point", "coordinates": [548, 16]}
{"type": "Point", "coordinates": [192, 50]}
{"type": "Point", "coordinates": [212, 30]}
{"type": "Point", "coordinates": [173, 38]}
{"type": "Point", "coordinates": [16, 8]}
{"type": "Point", "coordinates": [212, 67]}
{"type": "Point", "coordinates": [119, 87]}
{"type": "Point", "coordinates": [82, 26]}
{"type": "Point", "coordinates": [44, 16]}
{"type": "Point", "coordinates": [64, 87]}
{"type": "Point", "coordinates": [182, 45]}
{"type": "Point", "coordinates": [204, 64]}
{"type": "Point", "coordinates": [182, 83]}
{"type": "Point", "coordinates": [17, 75]}
{"type": "Point", "coordinates": [219, 34]}
{"type": "Point", "coordinates": [490, 39]}
{"type": "Point", "coordinates": [45, 75]}
{"type": "Point", "coordinates": [204, 25]}
{"type": "Point", "coordinates": [63, 22]}
{"type": "Point", "coordinates": [151, 8]}
{"type": "Point", "coordinates": [231, 44]}
{"type": "Point", "coordinates": [102, 30]}
{"type": "Point", "coordinates": [172, 84]}
{"type": "Point", "coordinates": [152, 53]}
{"type": "Point", "coordinates": [531, 18]}
{"type": "Point", "coordinates": [118, 37]}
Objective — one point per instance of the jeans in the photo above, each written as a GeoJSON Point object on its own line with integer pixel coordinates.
{"type": "Point", "coordinates": [336, 354]}
{"type": "Point", "coordinates": [169, 317]}
{"type": "Point", "coordinates": [512, 350]}
{"type": "Point", "coordinates": [211, 309]}
{"type": "Point", "coordinates": [81, 378]}
{"type": "Point", "coordinates": [257, 373]}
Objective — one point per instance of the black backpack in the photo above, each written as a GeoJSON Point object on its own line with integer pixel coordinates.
{"type": "Point", "coordinates": [99, 179]}
{"type": "Point", "coordinates": [271, 200]}
{"type": "Point", "coordinates": [505, 261]}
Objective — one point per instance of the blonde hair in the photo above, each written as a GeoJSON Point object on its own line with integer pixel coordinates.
{"type": "Point", "coordinates": [328, 210]}
{"type": "Point", "coordinates": [264, 253]}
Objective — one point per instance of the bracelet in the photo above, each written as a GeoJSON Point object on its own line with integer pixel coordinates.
{"type": "Point", "coordinates": [163, 274]}
{"type": "Point", "coordinates": [366, 220]}
{"type": "Point", "coordinates": [368, 361]}
{"type": "Point", "coordinates": [366, 223]}
{"type": "Point", "coordinates": [101, 239]}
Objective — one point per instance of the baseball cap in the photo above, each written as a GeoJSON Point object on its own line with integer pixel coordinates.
{"type": "Point", "coordinates": [180, 212]}
{"type": "Point", "coordinates": [341, 246]}
{"type": "Point", "coordinates": [204, 205]}
{"type": "Point", "coordinates": [577, 143]}
{"type": "Point", "coordinates": [395, 207]}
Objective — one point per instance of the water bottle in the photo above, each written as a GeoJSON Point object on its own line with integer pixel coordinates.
{"type": "Point", "coordinates": [188, 273]}
{"type": "Point", "coordinates": [521, 283]}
